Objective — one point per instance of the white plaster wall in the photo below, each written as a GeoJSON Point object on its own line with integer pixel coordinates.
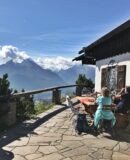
{"type": "Point", "coordinates": [123, 59]}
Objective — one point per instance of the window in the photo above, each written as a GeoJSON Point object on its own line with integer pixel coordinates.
{"type": "Point", "coordinates": [113, 77]}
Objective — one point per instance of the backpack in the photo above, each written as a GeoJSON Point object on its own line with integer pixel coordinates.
{"type": "Point", "coordinates": [81, 124]}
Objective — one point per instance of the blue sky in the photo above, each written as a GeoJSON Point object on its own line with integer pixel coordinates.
{"type": "Point", "coordinates": [58, 27]}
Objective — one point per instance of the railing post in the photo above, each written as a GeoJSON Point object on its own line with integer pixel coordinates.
{"type": "Point", "coordinates": [56, 96]}
{"type": "Point", "coordinates": [79, 90]}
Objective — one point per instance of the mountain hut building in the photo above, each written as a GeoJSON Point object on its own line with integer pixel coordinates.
{"type": "Point", "coordinates": [111, 55]}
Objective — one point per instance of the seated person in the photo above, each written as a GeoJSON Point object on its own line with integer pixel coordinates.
{"type": "Point", "coordinates": [104, 99]}
{"type": "Point", "coordinates": [123, 105]}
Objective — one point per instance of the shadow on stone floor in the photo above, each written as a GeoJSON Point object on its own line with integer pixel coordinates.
{"type": "Point", "coordinates": [25, 128]}
{"type": "Point", "coordinates": [122, 135]}
{"type": "Point", "coordinates": [6, 155]}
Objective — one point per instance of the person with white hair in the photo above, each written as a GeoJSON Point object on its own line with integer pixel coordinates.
{"type": "Point", "coordinates": [68, 101]}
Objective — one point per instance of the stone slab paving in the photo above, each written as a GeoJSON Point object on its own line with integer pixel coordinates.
{"type": "Point", "coordinates": [55, 139]}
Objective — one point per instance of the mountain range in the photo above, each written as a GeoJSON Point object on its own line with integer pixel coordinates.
{"type": "Point", "coordinates": [29, 75]}
{"type": "Point", "coordinates": [71, 74]}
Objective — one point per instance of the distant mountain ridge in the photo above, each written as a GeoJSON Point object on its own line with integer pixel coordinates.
{"type": "Point", "coordinates": [70, 75]}
{"type": "Point", "coordinates": [29, 75]}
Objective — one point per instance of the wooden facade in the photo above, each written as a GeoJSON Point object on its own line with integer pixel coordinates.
{"type": "Point", "coordinates": [116, 45]}
{"type": "Point", "coordinates": [113, 43]}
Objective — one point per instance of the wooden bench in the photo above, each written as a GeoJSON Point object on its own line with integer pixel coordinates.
{"type": "Point", "coordinates": [122, 120]}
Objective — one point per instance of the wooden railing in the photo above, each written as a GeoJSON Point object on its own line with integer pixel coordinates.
{"type": "Point", "coordinates": [56, 92]}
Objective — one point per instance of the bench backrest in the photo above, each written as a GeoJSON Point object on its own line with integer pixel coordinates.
{"type": "Point", "coordinates": [107, 107]}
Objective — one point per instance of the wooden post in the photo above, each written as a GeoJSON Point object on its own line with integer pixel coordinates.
{"type": "Point", "coordinates": [78, 90]}
{"type": "Point", "coordinates": [56, 96]}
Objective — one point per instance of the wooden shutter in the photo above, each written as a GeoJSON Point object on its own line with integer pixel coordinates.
{"type": "Point", "coordinates": [121, 77]}
{"type": "Point", "coordinates": [104, 77]}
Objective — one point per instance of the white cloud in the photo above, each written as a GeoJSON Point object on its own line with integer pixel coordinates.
{"type": "Point", "coordinates": [55, 63]}
{"type": "Point", "coordinates": [9, 52]}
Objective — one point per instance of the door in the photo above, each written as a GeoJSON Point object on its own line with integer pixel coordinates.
{"type": "Point", "coordinates": [121, 77]}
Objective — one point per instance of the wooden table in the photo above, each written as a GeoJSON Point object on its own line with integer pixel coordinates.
{"type": "Point", "coordinates": [89, 104]}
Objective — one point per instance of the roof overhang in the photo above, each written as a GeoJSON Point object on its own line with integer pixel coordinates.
{"type": "Point", "coordinates": [85, 59]}
{"type": "Point", "coordinates": [113, 43]}
{"type": "Point", "coordinates": [109, 35]}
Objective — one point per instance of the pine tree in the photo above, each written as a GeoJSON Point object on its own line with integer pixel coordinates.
{"type": "Point", "coordinates": [82, 80]}
{"type": "Point", "coordinates": [25, 106]}
{"type": "Point", "coordinates": [4, 86]}
{"type": "Point", "coordinates": [5, 93]}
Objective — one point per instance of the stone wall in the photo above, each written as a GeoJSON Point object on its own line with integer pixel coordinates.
{"type": "Point", "coordinates": [9, 118]}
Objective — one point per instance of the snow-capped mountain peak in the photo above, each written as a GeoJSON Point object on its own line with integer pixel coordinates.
{"type": "Point", "coordinates": [9, 52]}
{"type": "Point", "coordinates": [55, 63]}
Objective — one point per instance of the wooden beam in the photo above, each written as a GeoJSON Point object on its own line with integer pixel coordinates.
{"type": "Point", "coordinates": [43, 90]}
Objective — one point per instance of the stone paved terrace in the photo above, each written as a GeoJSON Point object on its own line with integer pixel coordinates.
{"type": "Point", "coordinates": [53, 138]}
